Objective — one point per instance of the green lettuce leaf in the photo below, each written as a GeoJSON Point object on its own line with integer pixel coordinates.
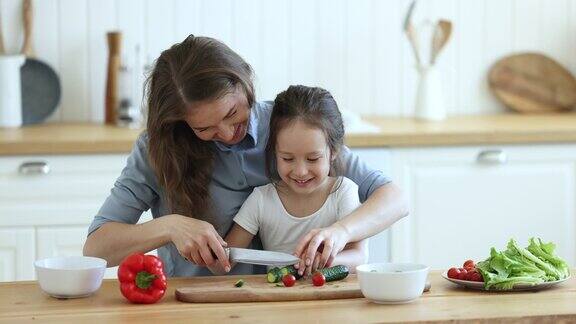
{"type": "Point", "coordinates": [545, 251]}
{"type": "Point", "coordinates": [535, 264]}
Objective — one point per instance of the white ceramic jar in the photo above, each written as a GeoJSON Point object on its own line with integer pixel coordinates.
{"type": "Point", "coordinates": [10, 90]}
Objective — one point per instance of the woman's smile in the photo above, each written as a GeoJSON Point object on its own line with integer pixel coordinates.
{"type": "Point", "coordinates": [224, 120]}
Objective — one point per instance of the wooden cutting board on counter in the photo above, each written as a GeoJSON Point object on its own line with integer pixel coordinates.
{"type": "Point", "coordinates": [257, 289]}
{"type": "Point", "coordinates": [533, 83]}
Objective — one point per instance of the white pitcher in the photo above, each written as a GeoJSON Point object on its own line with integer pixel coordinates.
{"type": "Point", "coordinates": [430, 103]}
{"type": "Point", "coordinates": [10, 90]}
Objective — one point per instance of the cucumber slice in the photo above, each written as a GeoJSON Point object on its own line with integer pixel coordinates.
{"type": "Point", "coordinates": [275, 274]}
{"type": "Point", "coordinates": [334, 273]}
{"type": "Point", "coordinates": [289, 270]}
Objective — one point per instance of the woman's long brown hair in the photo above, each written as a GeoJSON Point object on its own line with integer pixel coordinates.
{"type": "Point", "coordinates": [197, 69]}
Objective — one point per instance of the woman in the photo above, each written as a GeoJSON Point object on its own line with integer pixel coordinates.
{"type": "Point", "coordinates": [200, 158]}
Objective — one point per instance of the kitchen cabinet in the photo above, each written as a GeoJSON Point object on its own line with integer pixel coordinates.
{"type": "Point", "coordinates": [64, 241]}
{"type": "Point", "coordinates": [16, 253]}
{"type": "Point", "coordinates": [465, 200]}
{"type": "Point", "coordinates": [47, 204]}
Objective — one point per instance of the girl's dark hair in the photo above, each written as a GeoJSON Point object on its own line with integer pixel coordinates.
{"type": "Point", "coordinates": [197, 69]}
{"type": "Point", "coordinates": [315, 107]}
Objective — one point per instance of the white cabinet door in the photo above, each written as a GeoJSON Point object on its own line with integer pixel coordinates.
{"type": "Point", "coordinates": [54, 198]}
{"type": "Point", "coordinates": [65, 190]}
{"type": "Point", "coordinates": [379, 159]}
{"type": "Point", "coordinates": [466, 200]}
{"type": "Point", "coordinates": [64, 241]}
{"type": "Point", "coordinates": [69, 241]}
{"type": "Point", "coordinates": [16, 254]}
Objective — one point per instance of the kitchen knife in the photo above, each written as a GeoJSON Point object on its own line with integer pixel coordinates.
{"type": "Point", "coordinates": [259, 257]}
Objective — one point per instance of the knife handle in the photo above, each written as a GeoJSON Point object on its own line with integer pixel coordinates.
{"type": "Point", "coordinates": [226, 249]}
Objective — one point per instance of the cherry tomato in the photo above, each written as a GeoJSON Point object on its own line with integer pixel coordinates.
{"type": "Point", "coordinates": [475, 276]}
{"type": "Point", "coordinates": [463, 274]}
{"type": "Point", "coordinates": [470, 274]}
{"type": "Point", "coordinates": [289, 280]}
{"type": "Point", "coordinates": [318, 279]}
{"type": "Point", "coordinates": [453, 273]}
{"type": "Point", "coordinates": [469, 265]}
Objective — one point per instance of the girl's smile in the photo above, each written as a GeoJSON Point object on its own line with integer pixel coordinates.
{"type": "Point", "coordinates": [302, 157]}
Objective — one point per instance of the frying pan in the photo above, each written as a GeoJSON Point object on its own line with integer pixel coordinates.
{"type": "Point", "coordinates": [41, 89]}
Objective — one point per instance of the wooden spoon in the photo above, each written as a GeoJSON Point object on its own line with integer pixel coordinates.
{"type": "Point", "coordinates": [442, 34]}
{"type": "Point", "coordinates": [411, 32]}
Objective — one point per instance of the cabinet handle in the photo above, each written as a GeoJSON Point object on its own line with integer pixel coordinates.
{"type": "Point", "coordinates": [492, 157]}
{"type": "Point", "coordinates": [34, 167]}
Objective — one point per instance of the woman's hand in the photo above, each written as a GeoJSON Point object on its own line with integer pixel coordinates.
{"type": "Point", "coordinates": [319, 247]}
{"type": "Point", "coordinates": [196, 240]}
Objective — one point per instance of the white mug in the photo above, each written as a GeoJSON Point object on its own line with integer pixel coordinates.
{"type": "Point", "coordinates": [10, 90]}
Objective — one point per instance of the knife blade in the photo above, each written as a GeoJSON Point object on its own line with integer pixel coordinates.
{"type": "Point", "coordinates": [269, 258]}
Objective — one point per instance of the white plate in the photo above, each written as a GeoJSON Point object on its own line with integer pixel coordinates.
{"type": "Point", "coordinates": [519, 287]}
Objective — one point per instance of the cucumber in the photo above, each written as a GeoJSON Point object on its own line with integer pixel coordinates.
{"type": "Point", "coordinates": [289, 270]}
{"type": "Point", "coordinates": [334, 273]}
{"type": "Point", "coordinates": [275, 274]}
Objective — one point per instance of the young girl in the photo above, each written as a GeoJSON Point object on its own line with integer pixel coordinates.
{"type": "Point", "coordinates": [307, 190]}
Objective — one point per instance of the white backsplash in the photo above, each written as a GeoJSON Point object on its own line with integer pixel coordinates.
{"type": "Point", "coordinates": [355, 49]}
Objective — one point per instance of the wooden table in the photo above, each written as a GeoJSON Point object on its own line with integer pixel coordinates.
{"type": "Point", "coordinates": [25, 302]}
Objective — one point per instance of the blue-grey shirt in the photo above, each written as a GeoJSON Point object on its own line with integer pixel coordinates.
{"type": "Point", "coordinates": [237, 170]}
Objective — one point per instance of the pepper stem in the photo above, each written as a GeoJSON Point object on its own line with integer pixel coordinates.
{"type": "Point", "coordinates": [144, 279]}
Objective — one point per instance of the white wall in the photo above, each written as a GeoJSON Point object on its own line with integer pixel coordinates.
{"type": "Point", "coordinates": [353, 48]}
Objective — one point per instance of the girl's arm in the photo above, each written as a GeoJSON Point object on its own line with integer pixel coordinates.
{"type": "Point", "coordinates": [237, 237]}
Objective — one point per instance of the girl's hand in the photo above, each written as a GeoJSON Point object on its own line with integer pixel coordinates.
{"type": "Point", "coordinates": [196, 240]}
{"type": "Point", "coordinates": [320, 246]}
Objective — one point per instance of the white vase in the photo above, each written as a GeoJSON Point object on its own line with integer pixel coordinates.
{"type": "Point", "coordinates": [430, 103]}
{"type": "Point", "coordinates": [10, 90]}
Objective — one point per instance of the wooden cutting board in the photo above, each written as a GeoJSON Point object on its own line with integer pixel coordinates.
{"type": "Point", "coordinates": [256, 289]}
{"type": "Point", "coordinates": [533, 83]}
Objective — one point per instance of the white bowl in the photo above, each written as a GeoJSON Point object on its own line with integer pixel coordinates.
{"type": "Point", "coordinates": [392, 283]}
{"type": "Point", "coordinates": [70, 277]}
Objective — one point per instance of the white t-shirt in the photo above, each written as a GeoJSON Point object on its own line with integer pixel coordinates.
{"type": "Point", "coordinates": [264, 213]}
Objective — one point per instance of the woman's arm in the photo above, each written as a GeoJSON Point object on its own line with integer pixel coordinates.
{"type": "Point", "coordinates": [237, 237]}
{"type": "Point", "coordinates": [113, 235]}
{"type": "Point", "coordinates": [194, 239]}
{"type": "Point", "coordinates": [353, 255]}
{"type": "Point", "coordinates": [383, 208]}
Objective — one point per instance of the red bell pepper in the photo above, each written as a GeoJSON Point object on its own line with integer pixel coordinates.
{"type": "Point", "coordinates": [142, 278]}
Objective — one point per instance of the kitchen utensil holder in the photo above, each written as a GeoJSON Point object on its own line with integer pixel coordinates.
{"type": "Point", "coordinates": [429, 103]}
{"type": "Point", "coordinates": [11, 90]}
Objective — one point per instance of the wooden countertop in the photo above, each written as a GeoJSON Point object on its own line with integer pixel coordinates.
{"type": "Point", "coordinates": [394, 132]}
{"type": "Point", "coordinates": [24, 301]}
